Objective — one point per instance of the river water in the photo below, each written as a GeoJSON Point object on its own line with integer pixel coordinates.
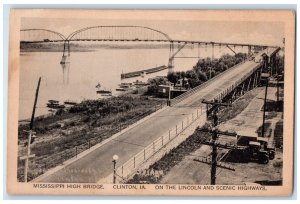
{"type": "Point", "coordinates": [77, 80]}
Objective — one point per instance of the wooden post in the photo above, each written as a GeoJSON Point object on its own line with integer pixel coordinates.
{"type": "Point", "coordinates": [242, 91]}
{"type": "Point", "coordinates": [248, 87]}
{"type": "Point", "coordinates": [30, 133]}
{"type": "Point", "coordinates": [214, 152]}
{"type": "Point", "coordinates": [214, 138]}
{"type": "Point", "coordinates": [264, 113]}
{"type": "Point", "coordinates": [277, 92]}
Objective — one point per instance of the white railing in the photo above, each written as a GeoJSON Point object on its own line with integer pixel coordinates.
{"type": "Point", "coordinates": [134, 162]}
{"type": "Point", "coordinates": [193, 90]}
{"type": "Point", "coordinates": [229, 89]}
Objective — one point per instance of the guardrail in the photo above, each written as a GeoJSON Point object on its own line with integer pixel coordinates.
{"type": "Point", "coordinates": [224, 93]}
{"type": "Point", "coordinates": [193, 90]}
{"type": "Point", "coordinates": [134, 162]}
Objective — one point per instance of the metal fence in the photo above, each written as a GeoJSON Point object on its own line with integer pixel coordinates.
{"type": "Point", "coordinates": [133, 163]}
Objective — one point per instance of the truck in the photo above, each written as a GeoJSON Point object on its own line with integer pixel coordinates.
{"type": "Point", "coordinates": [259, 150]}
{"type": "Point", "coordinates": [252, 149]}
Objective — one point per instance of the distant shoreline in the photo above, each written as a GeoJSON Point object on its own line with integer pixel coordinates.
{"type": "Point", "coordinates": [82, 47]}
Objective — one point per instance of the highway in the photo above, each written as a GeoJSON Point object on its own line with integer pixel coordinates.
{"type": "Point", "coordinates": [98, 163]}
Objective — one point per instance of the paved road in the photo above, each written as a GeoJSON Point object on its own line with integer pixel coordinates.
{"type": "Point", "coordinates": [98, 164]}
{"type": "Point", "coordinates": [247, 122]}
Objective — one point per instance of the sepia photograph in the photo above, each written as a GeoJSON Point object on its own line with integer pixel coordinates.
{"type": "Point", "coordinates": [151, 102]}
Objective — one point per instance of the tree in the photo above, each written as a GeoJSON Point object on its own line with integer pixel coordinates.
{"type": "Point", "coordinates": [201, 76]}
{"type": "Point", "coordinates": [173, 77]}
{"type": "Point", "coordinates": [154, 83]}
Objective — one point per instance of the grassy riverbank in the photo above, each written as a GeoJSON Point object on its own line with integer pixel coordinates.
{"type": "Point", "coordinates": [67, 133]}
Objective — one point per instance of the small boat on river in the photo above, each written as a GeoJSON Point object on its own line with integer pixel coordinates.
{"type": "Point", "coordinates": [69, 102]}
{"type": "Point", "coordinates": [103, 92]}
{"type": "Point", "coordinates": [54, 104]}
{"type": "Point", "coordinates": [125, 86]}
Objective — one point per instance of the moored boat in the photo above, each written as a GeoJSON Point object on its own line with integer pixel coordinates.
{"type": "Point", "coordinates": [103, 92]}
{"type": "Point", "coordinates": [138, 83]}
{"type": "Point", "coordinates": [69, 102]}
{"type": "Point", "coordinates": [125, 86]}
{"type": "Point", "coordinates": [54, 104]}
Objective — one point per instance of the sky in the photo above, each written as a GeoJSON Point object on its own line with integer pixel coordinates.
{"type": "Point", "coordinates": [266, 33]}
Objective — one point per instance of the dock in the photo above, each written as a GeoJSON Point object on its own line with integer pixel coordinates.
{"type": "Point", "coordinates": [141, 72]}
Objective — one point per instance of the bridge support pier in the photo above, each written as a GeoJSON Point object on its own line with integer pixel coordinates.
{"type": "Point", "coordinates": [172, 55]}
{"type": "Point", "coordinates": [66, 53]}
{"type": "Point", "coordinates": [171, 59]}
{"type": "Point", "coordinates": [249, 50]}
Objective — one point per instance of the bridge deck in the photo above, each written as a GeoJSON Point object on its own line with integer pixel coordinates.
{"type": "Point", "coordinates": [98, 163]}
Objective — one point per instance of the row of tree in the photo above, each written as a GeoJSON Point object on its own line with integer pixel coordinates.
{"type": "Point", "coordinates": [205, 69]}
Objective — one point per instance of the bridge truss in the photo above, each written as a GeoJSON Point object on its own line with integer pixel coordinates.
{"type": "Point", "coordinates": [125, 34]}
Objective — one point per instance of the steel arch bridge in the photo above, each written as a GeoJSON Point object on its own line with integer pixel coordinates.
{"type": "Point", "coordinates": [119, 33]}
{"type": "Point", "coordinates": [97, 33]}
{"type": "Point", "coordinates": [40, 35]}
{"type": "Point", "coordinates": [126, 33]}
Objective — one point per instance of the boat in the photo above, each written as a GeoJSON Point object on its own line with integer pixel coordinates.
{"type": "Point", "coordinates": [54, 104]}
{"type": "Point", "coordinates": [125, 86]}
{"type": "Point", "coordinates": [103, 92]}
{"type": "Point", "coordinates": [53, 101]}
{"type": "Point", "coordinates": [143, 72]}
{"type": "Point", "coordinates": [120, 89]}
{"type": "Point", "coordinates": [138, 83]}
{"type": "Point", "coordinates": [69, 102]}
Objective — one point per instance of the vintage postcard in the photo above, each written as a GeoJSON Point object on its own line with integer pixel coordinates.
{"type": "Point", "coordinates": [151, 102]}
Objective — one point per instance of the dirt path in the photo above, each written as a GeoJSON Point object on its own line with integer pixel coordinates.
{"type": "Point", "coordinates": [247, 122]}
{"type": "Point", "coordinates": [191, 172]}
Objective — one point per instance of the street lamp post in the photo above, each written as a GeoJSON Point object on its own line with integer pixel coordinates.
{"type": "Point", "coordinates": [115, 158]}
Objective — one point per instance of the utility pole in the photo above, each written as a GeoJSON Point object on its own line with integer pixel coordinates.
{"type": "Point", "coordinates": [169, 97]}
{"type": "Point", "coordinates": [212, 59]}
{"type": "Point", "coordinates": [30, 135]}
{"type": "Point", "coordinates": [214, 164]}
{"type": "Point", "coordinates": [264, 112]}
{"type": "Point", "coordinates": [215, 109]}
{"type": "Point", "coordinates": [277, 82]}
